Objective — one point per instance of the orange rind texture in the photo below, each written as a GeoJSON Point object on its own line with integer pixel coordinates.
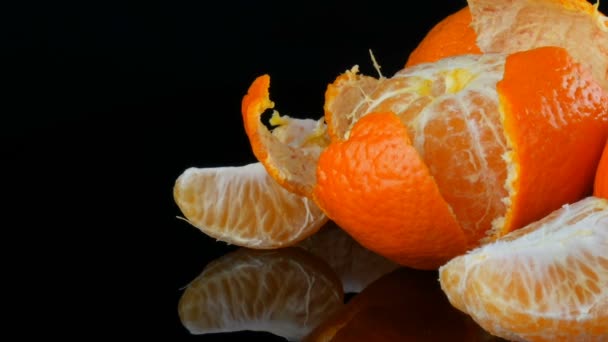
{"type": "Point", "coordinates": [452, 36]}
{"type": "Point", "coordinates": [556, 121]}
{"type": "Point", "coordinates": [376, 186]}
{"type": "Point", "coordinates": [601, 176]}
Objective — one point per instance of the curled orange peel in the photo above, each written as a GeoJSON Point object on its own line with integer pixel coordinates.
{"type": "Point", "coordinates": [290, 151]}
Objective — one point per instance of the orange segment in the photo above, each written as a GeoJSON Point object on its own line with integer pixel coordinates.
{"type": "Point", "coordinates": [286, 292]}
{"type": "Point", "coordinates": [245, 206]}
{"type": "Point", "coordinates": [377, 187]}
{"type": "Point", "coordinates": [601, 176]}
{"type": "Point", "coordinates": [290, 152]}
{"type": "Point", "coordinates": [518, 25]}
{"type": "Point", "coordinates": [547, 99]}
{"type": "Point", "coordinates": [450, 37]}
{"type": "Point", "coordinates": [545, 282]}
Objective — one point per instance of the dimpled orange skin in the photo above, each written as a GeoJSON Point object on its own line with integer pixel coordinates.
{"type": "Point", "coordinates": [376, 186]}
{"type": "Point", "coordinates": [553, 168]}
{"type": "Point", "coordinates": [601, 176]}
{"type": "Point", "coordinates": [257, 100]}
{"type": "Point", "coordinates": [450, 37]}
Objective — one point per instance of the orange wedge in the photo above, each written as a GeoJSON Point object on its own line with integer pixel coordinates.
{"type": "Point", "coordinates": [245, 206]}
{"type": "Point", "coordinates": [545, 282]}
{"type": "Point", "coordinates": [287, 292]}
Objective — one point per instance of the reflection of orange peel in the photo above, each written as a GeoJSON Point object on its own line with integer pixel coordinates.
{"type": "Point", "coordinates": [290, 152]}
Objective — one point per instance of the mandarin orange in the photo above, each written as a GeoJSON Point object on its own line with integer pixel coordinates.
{"type": "Point", "coordinates": [495, 133]}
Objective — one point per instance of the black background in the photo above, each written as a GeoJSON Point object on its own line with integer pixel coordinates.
{"type": "Point", "coordinates": [108, 102]}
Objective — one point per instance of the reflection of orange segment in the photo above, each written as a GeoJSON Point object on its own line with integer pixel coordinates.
{"type": "Point", "coordinates": [601, 176]}
{"type": "Point", "coordinates": [545, 282]}
{"type": "Point", "coordinates": [450, 37]}
{"type": "Point", "coordinates": [287, 292]}
{"type": "Point", "coordinates": [498, 134]}
{"type": "Point", "coordinates": [376, 186]}
{"type": "Point", "coordinates": [356, 266]}
{"type": "Point", "coordinates": [290, 161]}
{"type": "Point", "coordinates": [555, 148]}
{"type": "Point", "coordinates": [518, 25]}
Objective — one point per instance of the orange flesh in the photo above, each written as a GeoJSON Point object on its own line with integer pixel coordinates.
{"type": "Point", "coordinates": [544, 282]}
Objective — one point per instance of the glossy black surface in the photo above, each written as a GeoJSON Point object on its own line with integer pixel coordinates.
{"type": "Point", "coordinates": [108, 102]}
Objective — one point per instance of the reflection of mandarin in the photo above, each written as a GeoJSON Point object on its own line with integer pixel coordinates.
{"type": "Point", "coordinates": [545, 282]}
{"type": "Point", "coordinates": [485, 139]}
{"type": "Point", "coordinates": [356, 266]}
{"type": "Point", "coordinates": [286, 292]}
{"type": "Point", "coordinates": [404, 305]}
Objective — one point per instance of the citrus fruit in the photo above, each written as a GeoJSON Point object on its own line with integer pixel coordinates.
{"type": "Point", "coordinates": [545, 282]}
{"type": "Point", "coordinates": [245, 206]}
{"type": "Point", "coordinates": [510, 26]}
{"type": "Point", "coordinates": [287, 292]}
{"type": "Point", "coordinates": [404, 305]}
{"type": "Point", "coordinates": [355, 265]}
{"type": "Point", "coordinates": [601, 176]}
{"type": "Point", "coordinates": [576, 25]}
{"type": "Point", "coordinates": [290, 151]}
{"type": "Point", "coordinates": [450, 37]}
{"type": "Point", "coordinates": [486, 138]}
